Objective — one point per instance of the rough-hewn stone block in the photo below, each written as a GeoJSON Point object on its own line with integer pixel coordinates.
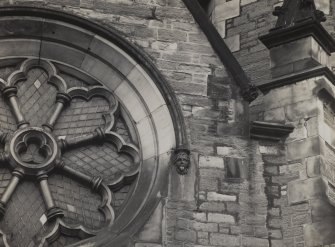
{"type": "Point", "coordinates": [224, 239]}
{"type": "Point", "coordinates": [220, 218]}
{"type": "Point", "coordinates": [254, 242]}
{"type": "Point", "coordinates": [206, 227]}
{"type": "Point", "coordinates": [186, 235]}
{"type": "Point", "coordinates": [213, 196]}
{"type": "Point", "coordinates": [213, 206]}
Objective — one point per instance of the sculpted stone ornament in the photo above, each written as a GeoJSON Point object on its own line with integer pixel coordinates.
{"type": "Point", "coordinates": [35, 153]}
{"type": "Point", "coordinates": [182, 161]}
{"type": "Point", "coordinates": [295, 11]}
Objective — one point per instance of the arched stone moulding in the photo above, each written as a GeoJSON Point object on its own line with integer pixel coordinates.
{"type": "Point", "coordinates": [75, 44]}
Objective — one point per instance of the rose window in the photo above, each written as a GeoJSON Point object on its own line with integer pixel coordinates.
{"type": "Point", "coordinates": [68, 155]}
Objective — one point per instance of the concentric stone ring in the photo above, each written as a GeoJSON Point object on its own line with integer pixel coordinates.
{"type": "Point", "coordinates": [34, 150]}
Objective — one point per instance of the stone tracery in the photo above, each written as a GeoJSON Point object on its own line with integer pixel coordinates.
{"type": "Point", "coordinates": [35, 153]}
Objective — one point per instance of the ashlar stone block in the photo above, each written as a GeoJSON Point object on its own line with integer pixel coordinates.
{"type": "Point", "coordinates": [302, 109]}
{"type": "Point", "coordinates": [313, 166]}
{"type": "Point", "coordinates": [320, 233]}
{"type": "Point", "coordinates": [301, 54]}
{"type": "Point", "coordinates": [220, 218]}
{"type": "Point", "coordinates": [228, 240]}
{"type": "Point", "coordinates": [233, 43]}
{"type": "Point", "coordinates": [226, 10]}
{"type": "Point", "coordinates": [300, 191]}
{"type": "Point", "coordinates": [303, 148]}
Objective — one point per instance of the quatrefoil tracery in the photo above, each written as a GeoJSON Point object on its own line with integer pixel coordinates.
{"type": "Point", "coordinates": [46, 149]}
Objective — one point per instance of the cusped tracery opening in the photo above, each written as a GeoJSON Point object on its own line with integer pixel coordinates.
{"type": "Point", "coordinates": [67, 152]}
{"type": "Point", "coordinates": [113, 117]}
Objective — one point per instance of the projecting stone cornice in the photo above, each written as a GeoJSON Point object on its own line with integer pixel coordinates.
{"type": "Point", "coordinates": [288, 79]}
{"type": "Point", "coordinates": [269, 131]}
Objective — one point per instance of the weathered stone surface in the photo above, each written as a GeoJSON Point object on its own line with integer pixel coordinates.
{"type": "Point", "coordinates": [213, 196]}
{"type": "Point", "coordinates": [147, 245]}
{"type": "Point", "coordinates": [300, 191]}
{"type": "Point", "coordinates": [220, 218]}
{"type": "Point", "coordinates": [226, 10]}
{"type": "Point", "coordinates": [199, 216]}
{"type": "Point", "coordinates": [213, 206]}
{"type": "Point", "coordinates": [254, 242]}
{"type": "Point", "coordinates": [206, 227]}
{"type": "Point", "coordinates": [321, 210]}
{"type": "Point", "coordinates": [186, 235]}
{"type": "Point", "coordinates": [245, 2]}
{"type": "Point", "coordinates": [152, 231]}
{"type": "Point", "coordinates": [233, 43]}
{"type": "Point", "coordinates": [323, 5]}
{"type": "Point", "coordinates": [320, 233]}
{"type": "Point", "coordinates": [236, 168]}
{"type": "Point", "coordinates": [303, 148]}
{"type": "Point", "coordinates": [313, 166]}
{"type": "Point", "coordinates": [306, 48]}
{"type": "Point", "coordinates": [225, 240]}
{"type": "Point", "coordinates": [276, 115]}
{"type": "Point", "coordinates": [211, 162]}
{"type": "Point", "coordinates": [303, 109]}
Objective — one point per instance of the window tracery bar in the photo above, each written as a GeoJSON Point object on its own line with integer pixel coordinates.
{"type": "Point", "coordinates": [93, 182]}
{"type": "Point", "coordinates": [16, 178]}
{"type": "Point", "coordinates": [3, 137]}
{"type": "Point", "coordinates": [69, 143]}
{"type": "Point", "coordinates": [11, 94]}
{"type": "Point", "coordinates": [62, 100]}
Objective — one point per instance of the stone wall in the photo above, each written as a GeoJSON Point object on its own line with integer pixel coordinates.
{"type": "Point", "coordinates": [222, 200]}
{"type": "Point", "coordinates": [239, 192]}
{"type": "Point", "coordinates": [242, 22]}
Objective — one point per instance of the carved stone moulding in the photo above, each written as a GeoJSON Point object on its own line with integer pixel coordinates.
{"type": "Point", "coordinates": [269, 131]}
{"type": "Point", "coordinates": [111, 126]}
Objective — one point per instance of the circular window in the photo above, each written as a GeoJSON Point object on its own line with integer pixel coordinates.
{"type": "Point", "coordinates": [86, 132]}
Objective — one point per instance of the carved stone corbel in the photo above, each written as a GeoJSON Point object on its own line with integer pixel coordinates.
{"type": "Point", "coordinates": [181, 160]}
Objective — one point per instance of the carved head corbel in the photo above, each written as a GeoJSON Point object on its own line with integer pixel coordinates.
{"type": "Point", "coordinates": [181, 161]}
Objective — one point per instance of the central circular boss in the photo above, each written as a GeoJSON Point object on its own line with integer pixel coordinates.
{"type": "Point", "coordinates": [34, 150]}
